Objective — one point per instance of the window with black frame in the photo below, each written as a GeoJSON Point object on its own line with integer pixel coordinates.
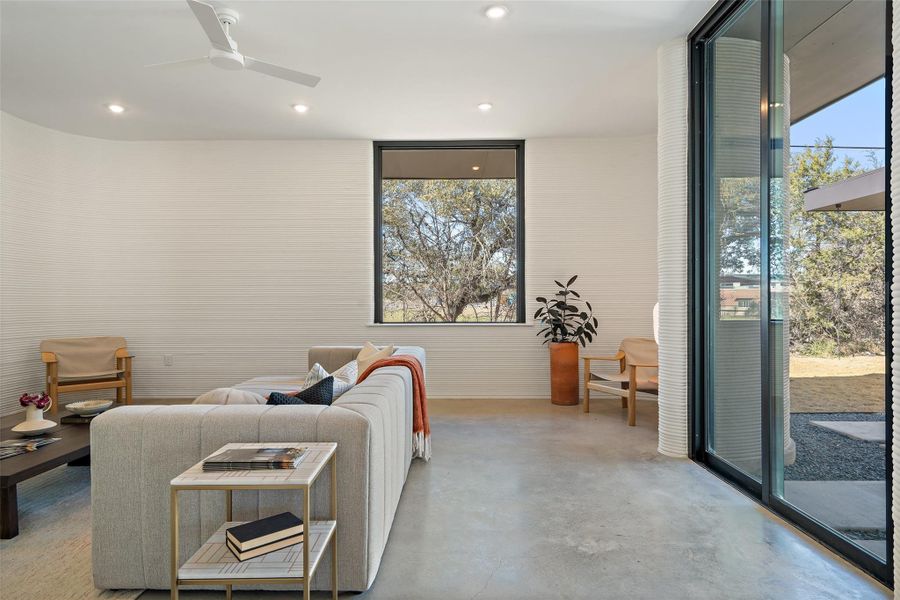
{"type": "Point", "coordinates": [449, 245]}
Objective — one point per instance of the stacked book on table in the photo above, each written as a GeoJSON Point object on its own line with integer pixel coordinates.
{"type": "Point", "coordinates": [256, 538]}
{"type": "Point", "coordinates": [249, 459]}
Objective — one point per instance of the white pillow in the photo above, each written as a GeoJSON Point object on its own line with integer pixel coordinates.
{"type": "Point", "coordinates": [229, 396]}
{"type": "Point", "coordinates": [369, 354]}
{"type": "Point", "coordinates": [344, 378]}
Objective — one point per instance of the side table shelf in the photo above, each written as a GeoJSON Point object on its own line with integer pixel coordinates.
{"type": "Point", "coordinates": [214, 564]}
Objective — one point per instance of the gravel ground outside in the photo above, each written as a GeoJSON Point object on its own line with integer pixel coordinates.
{"type": "Point", "coordinates": [824, 455]}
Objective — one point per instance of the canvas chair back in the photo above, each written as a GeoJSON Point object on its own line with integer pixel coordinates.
{"type": "Point", "coordinates": [640, 351]}
{"type": "Point", "coordinates": [87, 357]}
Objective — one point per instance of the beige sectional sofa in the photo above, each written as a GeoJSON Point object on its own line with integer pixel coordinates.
{"type": "Point", "coordinates": [137, 450]}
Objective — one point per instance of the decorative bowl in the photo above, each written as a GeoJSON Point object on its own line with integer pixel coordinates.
{"type": "Point", "coordinates": [34, 427]}
{"type": "Point", "coordinates": [89, 407]}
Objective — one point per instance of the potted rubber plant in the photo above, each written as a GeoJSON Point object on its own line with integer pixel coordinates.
{"type": "Point", "coordinates": [567, 321]}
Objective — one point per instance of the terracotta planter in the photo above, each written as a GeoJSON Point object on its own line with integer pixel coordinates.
{"type": "Point", "coordinates": [564, 373]}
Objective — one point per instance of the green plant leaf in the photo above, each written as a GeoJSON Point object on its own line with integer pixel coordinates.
{"type": "Point", "coordinates": [572, 280]}
{"type": "Point", "coordinates": [541, 299]}
{"type": "Point", "coordinates": [558, 283]}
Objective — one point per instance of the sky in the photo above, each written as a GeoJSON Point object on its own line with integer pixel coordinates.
{"type": "Point", "coordinates": [857, 120]}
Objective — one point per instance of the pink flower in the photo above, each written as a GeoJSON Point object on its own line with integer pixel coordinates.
{"type": "Point", "coordinates": [40, 401]}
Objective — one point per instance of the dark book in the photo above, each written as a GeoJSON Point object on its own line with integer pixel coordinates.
{"type": "Point", "coordinates": [264, 531]}
{"type": "Point", "coordinates": [259, 551]}
{"type": "Point", "coordinates": [241, 459]}
{"type": "Point", "coordinates": [76, 419]}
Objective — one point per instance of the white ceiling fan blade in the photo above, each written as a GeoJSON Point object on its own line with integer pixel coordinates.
{"type": "Point", "coordinates": [178, 63]}
{"type": "Point", "coordinates": [206, 14]}
{"type": "Point", "coordinates": [281, 72]}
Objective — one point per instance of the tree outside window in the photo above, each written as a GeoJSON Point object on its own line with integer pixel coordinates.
{"type": "Point", "coordinates": [450, 235]}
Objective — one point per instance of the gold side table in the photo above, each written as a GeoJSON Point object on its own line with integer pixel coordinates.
{"type": "Point", "coordinates": [214, 564]}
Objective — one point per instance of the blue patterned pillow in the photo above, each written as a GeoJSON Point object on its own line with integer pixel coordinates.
{"type": "Point", "coordinates": [319, 393]}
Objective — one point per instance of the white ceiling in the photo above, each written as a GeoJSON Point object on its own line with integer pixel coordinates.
{"type": "Point", "coordinates": [390, 70]}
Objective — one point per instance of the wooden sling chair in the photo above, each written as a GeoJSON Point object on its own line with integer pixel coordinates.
{"type": "Point", "coordinates": [92, 363]}
{"type": "Point", "coordinates": [638, 372]}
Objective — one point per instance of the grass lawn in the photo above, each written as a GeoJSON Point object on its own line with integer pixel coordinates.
{"type": "Point", "coordinates": [829, 385]}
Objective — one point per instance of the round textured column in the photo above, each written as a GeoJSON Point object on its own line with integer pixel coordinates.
{"type": "Point", "coordinates": [735, 368]}
{"type": "Point", "coordinates": [672, 250]}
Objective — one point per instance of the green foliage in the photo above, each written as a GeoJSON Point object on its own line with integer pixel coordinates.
{"type": "Point", "coordinates": [835, 264]}
{"type": "Point", "coordinates": [449, 249]}
{"type": "Point", "coordinates": [563, 319]}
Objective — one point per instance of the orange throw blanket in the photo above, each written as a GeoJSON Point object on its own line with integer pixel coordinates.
{"type": "Point", "coordinates": [421, 429]}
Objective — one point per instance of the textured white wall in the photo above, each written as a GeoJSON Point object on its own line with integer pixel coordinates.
{"type": "Point", "coordinates": [672, 91]}
{"type": "Point", "coordinates": [237, 256]}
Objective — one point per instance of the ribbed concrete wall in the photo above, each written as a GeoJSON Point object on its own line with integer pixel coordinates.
{"type": "Point", "coordinates": [734, 363]}
{"type": "Point", "coordinates": [737, 387]}
{"type": "Point", "coordinates": [237, 256]}
{"type": "Point", "coordinates": [672, 208]}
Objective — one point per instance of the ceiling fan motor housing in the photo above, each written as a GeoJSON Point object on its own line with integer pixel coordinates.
{"type": "Point", "coordinates": [230, 61]}
{"type": "Point", "coordinates": [227, 16]}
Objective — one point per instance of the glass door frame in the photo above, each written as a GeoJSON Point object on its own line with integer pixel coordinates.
{"type": "Point", "coordinates": [699, 425]}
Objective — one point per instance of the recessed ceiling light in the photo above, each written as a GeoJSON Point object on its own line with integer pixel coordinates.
{"type": "Point", "coordinates": [496, 12]}
{"type": "Point", "coordinates": [301, 108]}
{"type": "Point", "coordinates": [485, 106]}
{"type": "Point", "coordinates": [115, 108]}
{"type": "Point", "coordinates": [476, 168]}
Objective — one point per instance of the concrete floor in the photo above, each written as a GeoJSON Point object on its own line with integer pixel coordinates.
{"type": "Point", "coordinates": [527, 500]}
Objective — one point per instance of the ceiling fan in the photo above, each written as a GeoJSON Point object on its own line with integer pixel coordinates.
{"type": "Point", "coordinates": [224, 53]}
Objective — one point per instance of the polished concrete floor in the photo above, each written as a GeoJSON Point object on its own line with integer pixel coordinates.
{"type": "Point", "coordinates": [526, 500]}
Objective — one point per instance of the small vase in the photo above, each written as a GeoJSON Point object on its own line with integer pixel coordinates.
{"type": "Point", "coordinates": [34, 423]}
{"type": "Point", "coordinates": [564, 373]}
{"type": "Point", "coordinates": [33, 413]}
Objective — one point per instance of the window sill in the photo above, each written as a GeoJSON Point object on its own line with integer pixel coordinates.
{"type": "Point", "coordinates": [460, 324]}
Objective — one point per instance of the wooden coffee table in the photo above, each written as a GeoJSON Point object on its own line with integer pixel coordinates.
{"type": "Point", "coordinates": [73, 448]}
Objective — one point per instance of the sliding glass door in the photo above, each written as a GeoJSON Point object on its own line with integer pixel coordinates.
{"type": "Point", "coordinates": [789, 232]}
{"type": "Point", "coordinates": [732, 238]}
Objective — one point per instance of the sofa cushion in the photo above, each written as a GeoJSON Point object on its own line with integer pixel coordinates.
{"type": "Point", "coordinates": [369, 354]}
{"type": "Point", "coordinates": [229, 396]}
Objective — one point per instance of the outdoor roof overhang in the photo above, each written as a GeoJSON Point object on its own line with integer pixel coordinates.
{"type": "Point", "coordinates": [835, 47]}
{"type": "Point", "coordinates": [863, 192]}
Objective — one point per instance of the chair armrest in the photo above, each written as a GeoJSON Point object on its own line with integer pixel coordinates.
{"type": "Point", "coordinates": [48, 357]}
{"type": "Point", "coordinates": [618, 356]}
{"type": "Point", "coordinates": [635, 365]}
{"type": "Point", "coordinates": [123, 353]}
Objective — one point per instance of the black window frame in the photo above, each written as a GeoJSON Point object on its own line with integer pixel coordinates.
{"type": "Point", "coordinates": [519, 146]}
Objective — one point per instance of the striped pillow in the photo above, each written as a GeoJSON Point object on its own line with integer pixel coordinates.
{"type": "Point", "coordinates": [344, 378]}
